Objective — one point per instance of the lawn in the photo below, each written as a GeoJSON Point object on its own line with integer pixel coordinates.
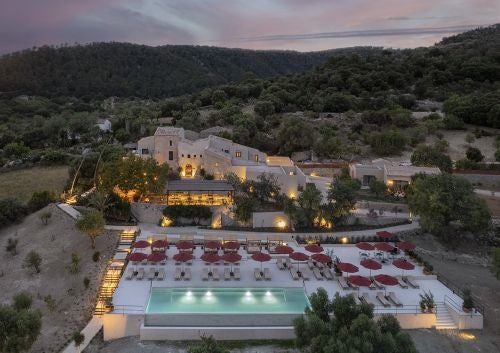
{"type": "Point", "coordinates": [21, 184]}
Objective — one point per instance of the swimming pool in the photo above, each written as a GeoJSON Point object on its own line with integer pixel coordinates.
{"type": "Point", "coordinates": [227, 301]}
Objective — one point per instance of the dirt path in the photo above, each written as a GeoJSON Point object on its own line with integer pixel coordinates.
{"type": "Point", "coordinates": [60, 295]}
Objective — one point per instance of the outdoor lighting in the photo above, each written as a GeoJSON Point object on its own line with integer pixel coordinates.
{"type": "Point", "coordinates": [248, 294]}
{"type": "Point", "coordinates": [291, 195]}
{"type": "Point", "coordinates": [166, 222]}
{"type": "Point", "coordinates": [268, 294]}
{"type": "Point", "coordinates": [281, 224]}
{"type": "Point", "coordinates": [208, 294]}
{"type": "Point", "coordinates": [344, 240]}
{"type": "Point", "coordinates": [390, 182]}
{"type": "Point", "coordinates": [466, 336]}
{"type": "Point", "coordinates": [189, 294]}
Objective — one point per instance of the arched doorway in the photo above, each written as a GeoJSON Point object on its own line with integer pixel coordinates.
{"type": "Point", "coordinates": [188, 171]}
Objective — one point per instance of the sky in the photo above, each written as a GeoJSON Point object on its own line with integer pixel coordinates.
{"type": "Point", "coordinates": [303, 25]}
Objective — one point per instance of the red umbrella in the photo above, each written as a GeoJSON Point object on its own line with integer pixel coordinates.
{"type": "Point", "coordinates": [231, 245]}
{"type": "Point", "coordinates": [141, 244]}
{"type": "Point", "coordinates": [314, 248]}
{"type": "Point", "coordinates": [384, 247]}
{"type": "Point", "coordinates": [159, 244]}
{"type": "Point", "coordinates": [384, 234]}
{"type": "Point", "coordinates": [231, 257]}
{"type": "Point", "coordinates": [137, 257]}
{"type": "Point", "coordinates": [261, 257]}
{"type": "Point", "coordinates": [404, 265]}
{"type": "Point", "coordinates": [211, 258]}
{"type": "Point", "coordinates": [323, 258]}
{"type": "Point", "coordinates": [386, 280]}
{"type": "Point", "coordinates": [371, 265]}
{"type": "Point", "coordinates": [212, 244]}
{"type": "Point", "coordinates": [405, 245]}
{"type": "Point", "coordinates": [359, 281]}
{"type": "Point", "coordinates": [184, 245]}
{"type": "Point", "coordinates": [347, 267]}
{"type": "Point", "coordinates": [365, 246]}
{"type": "Point", "coordinates": [283, 249]}
{"type": "Point", "coordinates": [183, 257]}
{"type": "Point", "coordinates": [298, 256]}
{"type": "Point", "coordinates": [157, 257]}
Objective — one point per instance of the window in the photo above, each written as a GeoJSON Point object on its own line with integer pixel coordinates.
{"type": "Point", "coordinates": [189, 156]}
{"type": "Point", "coordinates": [201, 156]}
{"type": "Point", "coordinates": [144, 151]}
{"type": "Point", "coordinates": [170, 142]}
{"type": "Point", "coordinates": [194, 156]}
{"type": "Point", "coordinates": [256, 157]}
{"type": "Point", "coordinates": [170, 155]}
{"type": "Point", "coordinates": [216, 164]}
{"type": "Point", "coordinates": [183, 156]}
{"type": "Point", "coordinates": [238, 154]}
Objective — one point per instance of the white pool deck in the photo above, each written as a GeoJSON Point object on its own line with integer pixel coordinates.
{"type": "Point", "coordinates": [131, 296]}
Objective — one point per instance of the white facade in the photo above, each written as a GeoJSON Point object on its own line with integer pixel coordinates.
{"type": "Point", "coordinates": [104, 125]}
{"type": "Point", "coordinates": [218, 156]}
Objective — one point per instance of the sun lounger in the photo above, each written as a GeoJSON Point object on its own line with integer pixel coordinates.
{"type": "Point", "coordinates": [177, 273]}
{"type": "Point", "coordinates": [412, 282]}
{"type": "Point", "coordinates": [317, 274]}
{"type": "Point", "coordinates": [257, 275]}
{"type": "Point", "coordinates": [288, 263]}
{"type": "Point", "coordinates": [161, 274]}
{"type": "Point", "coordinates": [327, 273]}
{"type": "Point", "coordinates": [227, 274]}
{"type": "Point", "coordinates": [280, 264]}
{"type": "Point", "coordinates": [267, 274]}
{"type": "Point", "coordinates": [393, 298]}
{"type": "Point", "coordinates": [151, 273]}
{"type": "Point", "coordinates": [204, 274]}
{"type": "Point", "coordinates": [237, 274]}
{"type": "Point", "coordinates": [402, 283]}
{"type": "Point", "coordinates": [343, 282]}
{"type": "Point", "coordinates": [140, 273]}
{"type": "Point", "coordinates": [294, 274]}
{"type": "Point", "coordinates": [305, 275]}
{"type": "Point", "coordinates": [380, 297]}
{"type": "Point", "coordinates": [310, 264]}
{"type": "Point", "coordinates": [356, 299]}
{"type": "Point", "coordinates": [187, 274]}
{"type": "Point", "coordinates": [365, 297]}
{"type": "Point", "coordinates": [130, 273]}
{"type": "Point", "coordinates": [377, 284]}
{"type": "Point", "coordinates": [215, 274]}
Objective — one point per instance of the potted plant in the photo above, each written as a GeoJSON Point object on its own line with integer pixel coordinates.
{"type": "Point", "coordinates": [468, 303]}
{"type": "Point", "coordinates": [428, 268]}
{"type": "Point", "coordinates": [427, 303]}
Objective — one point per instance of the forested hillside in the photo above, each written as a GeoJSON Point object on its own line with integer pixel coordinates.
{"type": "Point", "coordinates": [120, 69]}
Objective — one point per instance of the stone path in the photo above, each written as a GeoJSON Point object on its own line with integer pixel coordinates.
{"type": "Point", "coordinates": [89, 331]}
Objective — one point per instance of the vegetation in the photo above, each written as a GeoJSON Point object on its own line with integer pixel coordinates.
{"type": "Point", "coordinates": [20, 325]}
{"type": "Point", "coordinates": [92, 224]}
{"type": "Point", "coordinates": [33, 260]}
{"type": "Point", "coordinates": [208, 344]}
{"type": "Point", "coordinates": [351, 328]}
{"type": "Point", "coordinates": [45, 216]}
{"type": "Point", "coordinates": [445, 200]}
{"type": "Point", "coordinates": [196, 213]}
{"type": "Point", "coordinates": [496, 261]}
{"type": "Point", "coordinates": [11, 246]}
{"type": "Point", "coordinates": [11, 211]}
{"type": "Point", "coordinates": [428, 156]}
{"type": "Point", "coordinates": [40, 199]}
{"type": "Point", "coordinates": [78, 339]}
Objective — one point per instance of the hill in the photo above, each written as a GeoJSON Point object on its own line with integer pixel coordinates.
{"type": "Point", "coordinates": [101, 70]}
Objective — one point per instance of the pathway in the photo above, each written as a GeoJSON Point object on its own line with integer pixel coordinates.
{"type": "Point", "coordinates": [73, 213]}
{"type": "Point", "coordinates": [89, 331]}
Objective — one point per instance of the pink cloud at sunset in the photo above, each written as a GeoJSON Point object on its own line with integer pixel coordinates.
{"type": "Point", "coordinates": [258, 24]}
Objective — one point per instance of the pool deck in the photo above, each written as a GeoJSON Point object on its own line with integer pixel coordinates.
{"type": "Point", "coordinates": [131, 296]}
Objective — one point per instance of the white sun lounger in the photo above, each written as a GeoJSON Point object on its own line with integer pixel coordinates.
{"type": "Point", "coordinates": [130, 273]}
{"type": "Point", "coordinates": [204, 274]}
{"type": "Point", "coordinates": [151, 273]}
{"type": "Point", "coordinates": [305, 275]}
{"type": "Point", "coordinates": [356, 299]}
{"type": "Point", "coordinates": [267, 274]}
{"type": "Point", "coordinates": [237, 274]}
{"type": "Point", "coordinates": [412, 282]}
{"type": "Point", "coordinates": [402, 283]}
{"type": "Point", "coordinates": [280, 264]}
{"type": "Point", "coordinates": [187, 274]}
{"type": "Point", "coordinates": [327, 273]}
{"type": "Point", "coordinates": [177, 273]}
{"type": "Point", "coordinates": [377, 284]}
{"type": "Point", "coordinates": [310, 264]}
{"type": "Point", "coordinates": [382, 300]}
{"type": "Point", "coordinates": [317, 274]}
{"type": "Point", "coordinates": [294, 274]}
{"type": "Point", "coordinates": [365, 297]}
{"type": "Point", "coordinates": [140, 273]}
{"type": "Point", "coordinates": [227, 274]}
{"type": "Point", "coordinates": [161, 274]}
{"type": "Point", "coordinates": [393, 298]}
{"type": "Point", "coordinates": [257, 275]}
{"type": "Point", "coordinates": [343, 282]}
{"type": "Point", "coordinates": [215, 274]}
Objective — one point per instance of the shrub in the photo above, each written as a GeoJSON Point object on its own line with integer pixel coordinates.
{"type": "Point", "coordinates": [11, 246]}
{"type": "Point", "coordinates": [86, 282]}
{"type": "Point", "coordinates": [194, 212]}
{"type": "Point", "coordinates": [207, 345]}
{"type": "Point", "coordinates": [468, 303]}
{"type": "Point", "coordinates": [22, 301]}
{"type": "Point", "coordinates": [50, 302]}
{"type": "Point", "coordinates": [11, 210]}
{"type": "Point", "coordinates": [96, 256]}
{"type": "Point", "coordinates": [75, 263]}
{"type": "Point", "coordinates": [33, 261]}
{"type": "Point", "coordinates": [78, 338]}
{"type": "Point", "coordinates": [45, 216]}
{"type": "Point", "coordinates": [473, 154]}
{"type": "Point", "coordinates": [40, 199]}
{"type": "Point", "coordinates": [451, 122]}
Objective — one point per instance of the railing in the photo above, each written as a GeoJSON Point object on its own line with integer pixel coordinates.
{"type": "Point", "coordinates": [123, 309]}
{"type": "Point", "coordinates": [458, 291]}
{"type": "Point", "coordinates": [405, 309]}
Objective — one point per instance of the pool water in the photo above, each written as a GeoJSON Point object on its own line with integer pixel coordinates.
{"type": "Point", "coordinates": [227, 301]}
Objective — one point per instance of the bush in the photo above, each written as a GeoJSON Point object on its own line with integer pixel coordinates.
{"type": "Point", "coordinates": [55, 157]}
{"type": "Point", "coordinates": [473, 154]}
{"type": "Point", "coordinates": [22, 301]}
{"type": "Point", "coordinates": [40, 199]}
{"type": "Point", "coordinates": [388, 142]}
{"type": "Point", "coordinates": [11, 246]}
{"type": "Point", "coordinates": [207, 345]}
{"type": "Point", "coordinates": [96, 256]}
{"type": "Point", "coordinates": [451, 122]}
{"type": "Point", "coordinates": [86, 282]}
{"type": "Point", "coordinates": [34, 261]}
{"type": "Point", "coordinates": [194, 212]}
{"type": "Point", "coordinates": [11, 210]}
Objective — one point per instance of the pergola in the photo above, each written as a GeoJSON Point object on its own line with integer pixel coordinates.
{"type": "Point", "coordinates": [198, 192]}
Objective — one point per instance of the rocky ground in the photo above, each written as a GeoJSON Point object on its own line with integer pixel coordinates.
{"type": "Point", "coordinates": [59, 294]}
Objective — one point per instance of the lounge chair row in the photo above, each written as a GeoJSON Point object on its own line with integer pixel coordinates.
{"type": "Point", "coordinates": [386, 300]}
{"type": "Point", "coordinates": [140, 273]}
{"type": "Point", "coordinates": [259, 275]}
{"type": "Point", "coordinates": [179, 274]}
{"type": "Point", "coordinates": [215, 276]}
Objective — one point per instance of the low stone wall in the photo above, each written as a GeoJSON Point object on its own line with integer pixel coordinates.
{"type": "Point", "coordinates": [218, 320]}
{"type": "Point", "coordinates": [121, 325]}
{"type": "Point", "coordinates": [386, 206]}
{"type": "Point", "coordinates": [409, 321]}
{"type": "Point", "coordinates": [147, 212]}
{"type": "Point", "coordinates": [466, 321]}
{"type": "Point", "coordinates": [270, 220]}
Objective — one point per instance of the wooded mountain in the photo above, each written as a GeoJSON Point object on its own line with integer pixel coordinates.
{"type": "Point", "coordinates": [101, 70]}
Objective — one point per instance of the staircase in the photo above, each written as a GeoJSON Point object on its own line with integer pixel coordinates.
{"type": "Point", "coordinates": [444, 321]}
{"type": "Point", "coordinates": [112, 277]}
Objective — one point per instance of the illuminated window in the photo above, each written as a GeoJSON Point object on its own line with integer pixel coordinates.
{"type": "Point", "coordinates": [238, 154]}
{"type": "Point", "coordinates": [216, 164]}
{"type": "Point", "coordinates": [256, 157]}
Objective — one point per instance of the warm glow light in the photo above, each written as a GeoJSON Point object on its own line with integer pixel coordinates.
{"type": "Point", "coordinates": [281, 224]}
{"type": "Point", "coordinates": [166, 222]}
{"type": "Point", "coordinates": [390, 182]}
{"type": "Point", "coordinates": [345, 240]}
{"type": "Point", "coordinates": [466, 336]}
{"type": "Point", "coordinates": [71, 200]}
{"type": "Point", "coordinates": [291, 195]}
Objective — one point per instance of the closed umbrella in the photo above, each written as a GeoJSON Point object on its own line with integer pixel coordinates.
{"type": "Point", "coordinates": [137, 257]}
{"type": "Point", "coordinates": [365, 246]}
{"type": "Point", "coordinates": [314, 248]}
{"type": "Point", "coordinates": [298, 256]}
{"type": "Point", "coordinates": [283, 249]}
{"type": "Point", "coordinates": [231, 257]}
{"type": "Point", "coordinates": [261, 257]}
{"type": "Point", "coordinates": [404, 265]}
{"type": "Point", "coordinates": [141, 244]}
{"type": "Point", "coordinates": [371, 265]}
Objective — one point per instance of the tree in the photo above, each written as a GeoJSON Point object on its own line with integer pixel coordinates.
{"type": "Point", "coordinates": [91, 223]}
{"type": "Point", "coordinates": [40, 199]}
{"type": "Point", "coordinates": [16, 150]}
{"type": "Point", "coordinates": [33, 260]}
{"type": "Point", "coordinates": [474, 154]}
{"type": "Point", "coordinates": [320, 304]}
{"type": "Point", "coordinates": [443, 199]}
{"type": "Point", "coordinates": [387, 142]}
{"type": "Point", "coordinates": [45, 216]}
{"type": "Point", "coordinates": [266, 187]}
{"type": "Point", "coordinates": [377, 187]}
{"type": "Point", "coordinates": [342, 197]}
{"type": "Point", "coordinates": [309, 201]}
{"type": "Point", "coordinates": [20, 325]}
{"type": "Point", "coordinates": [244, 207]}
{"type": "Point", "coordinates": [78, 339]}
{"type": "Point", "coordinates": [427, 156]}
{"type": "Point", "coordinates": [295, 135]}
